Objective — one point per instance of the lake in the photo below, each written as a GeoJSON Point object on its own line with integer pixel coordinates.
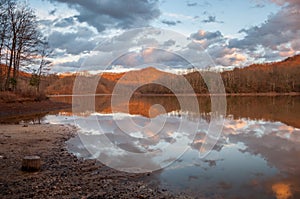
{"type": "Point", "coordinates": [257, 154]}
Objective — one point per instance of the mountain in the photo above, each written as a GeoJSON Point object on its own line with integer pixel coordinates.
{"type": "Point", "coordinates": [148, 74]}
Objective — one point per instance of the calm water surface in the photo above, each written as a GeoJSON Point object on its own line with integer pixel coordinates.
{"type": "Point", "coordinates": [257, 155]}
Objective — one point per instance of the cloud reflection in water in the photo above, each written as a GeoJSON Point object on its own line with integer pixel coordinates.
{"type": "Point", "coordinates": [253, 158]}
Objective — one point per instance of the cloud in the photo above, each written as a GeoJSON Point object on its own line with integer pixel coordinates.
{"type": "Point", "coordinates": [178, 16]}
{"type": "Point", "coordinates": [52, 12]}
{"type": "Point", "coordinates": [73, 42]}
{"type": "Point", "coordinates": [64, 22]}
{"type": "Point", "coordinates": [220, 51]}
{"type": "Point", "coordinates": [211, 19]}
{"type": "Point", "coordinates": [200, 4]}
{"type": "Point", "coordinates": [151, 56]}
{"type": "Point", "coordinates": [279, 32]}
{"type": "Point", "coordinates": [215, 44]}
{"type": "Point", "coordinates": [191, 4]}
{"type": "Point", "coordinates": [201, 35]}
{"type": "Point", "coordinates": [103, 14]}
{"type": "Point", "coordinates": [43, 23]}
{"type": "Point", "coordinates": [144, 47]}
{"type": "Point", "coordinates": [281, 2]}
{"type": "Point", "coordinates": [224, 56]}
{"type": "Point", "coordinates": [170, 42]}
{"type": "Point", "coordinates": [141, 47]}
{"type": "Point", "coordinates": [170, 23]}
{"type": "Point", "coordinates": [259, 5]}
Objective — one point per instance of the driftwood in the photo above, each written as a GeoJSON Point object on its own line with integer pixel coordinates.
{"type": "Point", "coordinates": [31, 163]}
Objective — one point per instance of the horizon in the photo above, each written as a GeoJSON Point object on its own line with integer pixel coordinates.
{"type": "Point", "coordinates": [121, 69]}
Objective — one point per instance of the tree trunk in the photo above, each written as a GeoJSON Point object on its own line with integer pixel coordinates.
{"type": "Point", "coordinates": [31, 163]}
{"type": "Point", "coordinates": [12, 52]}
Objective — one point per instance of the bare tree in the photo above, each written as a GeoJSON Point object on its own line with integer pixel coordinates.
{"type": "Point", "coordinates": [44, 64]}
{"type": "Point", "coordinates": [4, 30]}
{"type": "Point", "coordinates": [3, 25]}
{"type": "Point", "coordinates": [23, 36]}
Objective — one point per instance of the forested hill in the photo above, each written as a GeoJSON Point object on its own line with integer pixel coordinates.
{"type": "Point", "coordinates": [278, 77]}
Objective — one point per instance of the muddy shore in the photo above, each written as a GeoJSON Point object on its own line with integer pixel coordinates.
{"type": "Point", "coordinates": [62, 174]}
{"type": "Point", "coordinates": [14, 112]}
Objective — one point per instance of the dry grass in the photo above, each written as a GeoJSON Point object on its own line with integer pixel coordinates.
{"type": "Point", "coordinates": [7, 96]}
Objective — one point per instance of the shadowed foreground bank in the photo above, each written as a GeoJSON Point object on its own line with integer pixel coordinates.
{"type": "Point", "coordinates": [16, 108]}
{"type": "Point", "coordinates": [62, 175]}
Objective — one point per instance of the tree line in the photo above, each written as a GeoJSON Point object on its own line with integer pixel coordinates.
{"type": "Point", "coordinates": [277, 77]}
{"type": "Point", "coordinates": [22, 45]}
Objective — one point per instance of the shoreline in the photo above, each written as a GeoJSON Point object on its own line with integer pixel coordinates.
{"type": "Point", "coordinates": [62, 174]}
{"type": "Point", "coordinates": [15, 112]}
{"type": "Point", "coordinates": [269, 94]}
{"type": "Point", "coordinates": [221, 95]}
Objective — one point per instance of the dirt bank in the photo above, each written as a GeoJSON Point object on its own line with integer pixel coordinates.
{"type": "Point", "coordinates": [13, 112]}
{"type": "Point", "coordinates": [62, 174]}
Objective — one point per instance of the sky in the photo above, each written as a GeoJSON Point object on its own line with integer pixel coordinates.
{"type": "Point", "coordinates": [234, 33]}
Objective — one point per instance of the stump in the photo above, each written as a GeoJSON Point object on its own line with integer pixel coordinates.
{"type": "Point", "coordinates": [31, 163]}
